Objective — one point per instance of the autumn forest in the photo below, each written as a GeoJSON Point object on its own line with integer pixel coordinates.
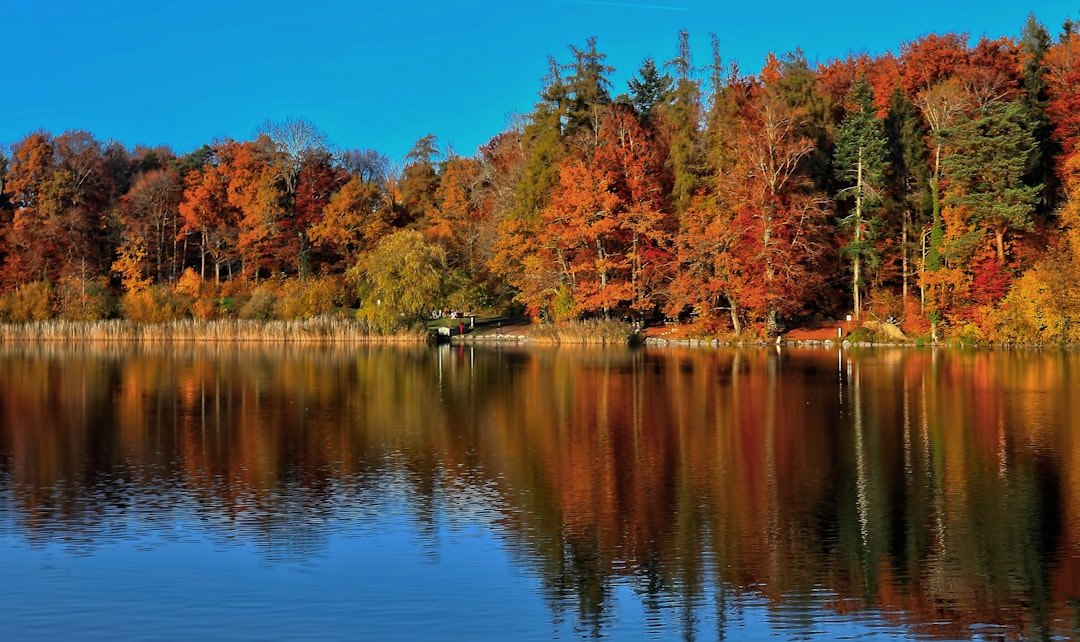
{"type": "Point", "coordinates": [937, 186]}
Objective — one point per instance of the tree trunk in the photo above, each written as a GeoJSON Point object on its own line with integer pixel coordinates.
{"type": "Point", "coordinates": [856, 262]}
{"type": "Point", "coordinates": [904, 261]}
{"type": "Point", "coordinates": [736, 326]}
{"type": "Point", "coordinates": [202, 254]}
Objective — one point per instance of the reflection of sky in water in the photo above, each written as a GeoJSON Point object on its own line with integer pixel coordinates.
{"type": "Point", "coordinates": [376, 576]}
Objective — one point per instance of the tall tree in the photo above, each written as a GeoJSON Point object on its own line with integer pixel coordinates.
{"type": "Point", "coordinates": [580, 242]}
{"type": "Point", "coordinates": [1063, 96]}
{"type": "Point", "coordinates": [419, 179]}
{"type": "Point", "coordinates": [986, 171]}
{"type": "Point", "coordinates": [294, 144]}
{"type": "Point", "coordinates": [61, 192]}
{"type": "Point", "coordinates": [149, 216]}
{"type": "Point", "coordinates": [356, 218]}
{"type": "Point", "coordinates": [83, 222]}
{"type": "Point", "coordinates": [648, 88]}
{"type": "Point", "coordinates": [543, 148]}
{"type": "Point", "coordinates": [941, 105]}
{"type": "Point", "coordinates": [589, 91]}
{"type": "Point", "coordinates": [906, 179]}
{"type": "Point", "coordinates": [4, 204]}
{"type": "Point", "coordinates": [860, 158]}
{"type": "Point", "coordinates": [30, 249]}
{"type": "Point", "coordinates": [630, 155]}
{"type": "Point", "coordinates": [709, 277]}
{"type": "Point", "coordinates": [1034, 46]}
{"type": "Point", "coordinates": [458, 220]}
{"type": "Point", "coordinates": [257, 191]}
{"type": "Point", "coordinates": [207, 213]}
{"type": "Point", "coordinates": [778, 210]}
{"type": "Point", "coordinates": [679, 125]}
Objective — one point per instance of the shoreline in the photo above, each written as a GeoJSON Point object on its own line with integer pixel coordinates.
{"type": "Point", "coordinates": [343, 330]}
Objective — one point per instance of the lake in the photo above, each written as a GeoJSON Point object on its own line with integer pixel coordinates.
{"type": "Point", "coordinates": [525, 493]}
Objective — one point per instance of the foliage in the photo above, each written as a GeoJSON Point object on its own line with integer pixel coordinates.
{"type": "Point", "coordinates": [1042, 306]}
{"type": "Point", "coordinates": [309, 298]}
{"type": "Point", "coordinates": [648, 88]}
{"type": "Point", "coordinates": [463, 294]}
{"type": "Point", "coordinates": [860, 157]}
{"type": "Point", "coordinates": [403, 278]}
{"type": "Point", "coordinates": [85, 299]}
{"type": "Point", "coordinates": [261, 301]}
{"type": "Point", "coordinates": [155, 304]}
{"type": "Point", "coordinates": [29, 302]}
{"type": "Point", "coordinates": [985, 171]}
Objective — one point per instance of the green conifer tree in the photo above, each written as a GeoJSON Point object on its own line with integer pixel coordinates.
{"type": "Point", "coordinates": [860, 158]}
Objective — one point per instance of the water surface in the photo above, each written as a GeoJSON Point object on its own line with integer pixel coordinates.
{"type": "Point", "coordinates": [386, 493]}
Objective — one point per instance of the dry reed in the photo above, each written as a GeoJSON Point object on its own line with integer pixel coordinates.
{"type": "Point", "coordinates": [316, 330]}
{"type": "Point", "coordinates": [590, 331]}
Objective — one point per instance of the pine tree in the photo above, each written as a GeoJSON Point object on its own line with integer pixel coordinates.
{"type": "Point", "coordinates": [860, 158]}
{"type": "Point", "coordinates": [681, 116]}
{"type": "Point", "coordinates": [588, 91]}
{"type": "Point", "coordinates": [648, 89]}
{"type": "Point", "coordinates": [985, 173]}
{"type": "Point", "coordinates": [906, 178]}
{"type": "Point", "coordinates": [1034, 44]}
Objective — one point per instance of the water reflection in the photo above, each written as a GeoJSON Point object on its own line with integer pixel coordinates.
{"type": "Point", "coordinates": [935, 493]}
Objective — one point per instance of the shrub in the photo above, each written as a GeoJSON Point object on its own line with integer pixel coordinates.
{"type": "Point", "coordinates": [308, 298]}
{"type": "Point", "coordinates": [260, 305]}
{"type": "Point", "coordinates": [29, 302]}
{"type": "Point", "coordinates": [155, 304]}
{"type": "Point", "coordinates": [1042, 305]}
{"type": "Point", "coordinates": [190, 284]}
{"type": "Point", "coordinates": [885, 304]}
{"type": "Point", "coordinates": [86, 299]}
{"type": "Point", "coordinates": [562, 308]}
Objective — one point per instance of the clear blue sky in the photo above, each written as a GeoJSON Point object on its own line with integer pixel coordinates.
{"type": "Point", "coordinates": [380, 74]}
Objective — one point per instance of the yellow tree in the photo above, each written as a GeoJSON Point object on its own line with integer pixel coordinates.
{"type": "Point", "coordinates": [402, 278]}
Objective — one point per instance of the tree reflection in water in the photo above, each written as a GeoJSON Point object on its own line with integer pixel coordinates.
{"type": "Point", "coordinates": [937, 491]}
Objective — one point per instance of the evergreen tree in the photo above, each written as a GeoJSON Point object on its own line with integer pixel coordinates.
{"type": "Point", "coordinates": [1034, 44]}
{"type": "Point", "coordinates": [544, 146]}
{"type": "Point", "coordinates": [992, 152]}
{"type": "Point", "coordinates": [906, 179]}
{"type": "Point", "coordinates": [648, 89]}
{"type": "Point", "coordinates": [860, 158]}
{"type": "Point", "coordinates": [798, 87]}
{"type": "Point", "coordinates": [681, 118]}
{"type": "Point", "coordinates": [588, 91]}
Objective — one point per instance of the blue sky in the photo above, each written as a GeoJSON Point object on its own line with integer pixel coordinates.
{"type": "Point", "coordinates": [380, 74]}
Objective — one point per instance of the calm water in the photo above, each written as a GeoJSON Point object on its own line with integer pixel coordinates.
{"type": "Point", "coordinates": [536, 494]}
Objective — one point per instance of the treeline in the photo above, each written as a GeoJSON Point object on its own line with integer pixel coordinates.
{"type": "Point", "coordinates": [937, 186]}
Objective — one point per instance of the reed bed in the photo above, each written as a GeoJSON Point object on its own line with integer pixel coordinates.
{"type": "Point", "coordinates": [590, 331]}
{"type": "Point", "coordinates": [316, 330]}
